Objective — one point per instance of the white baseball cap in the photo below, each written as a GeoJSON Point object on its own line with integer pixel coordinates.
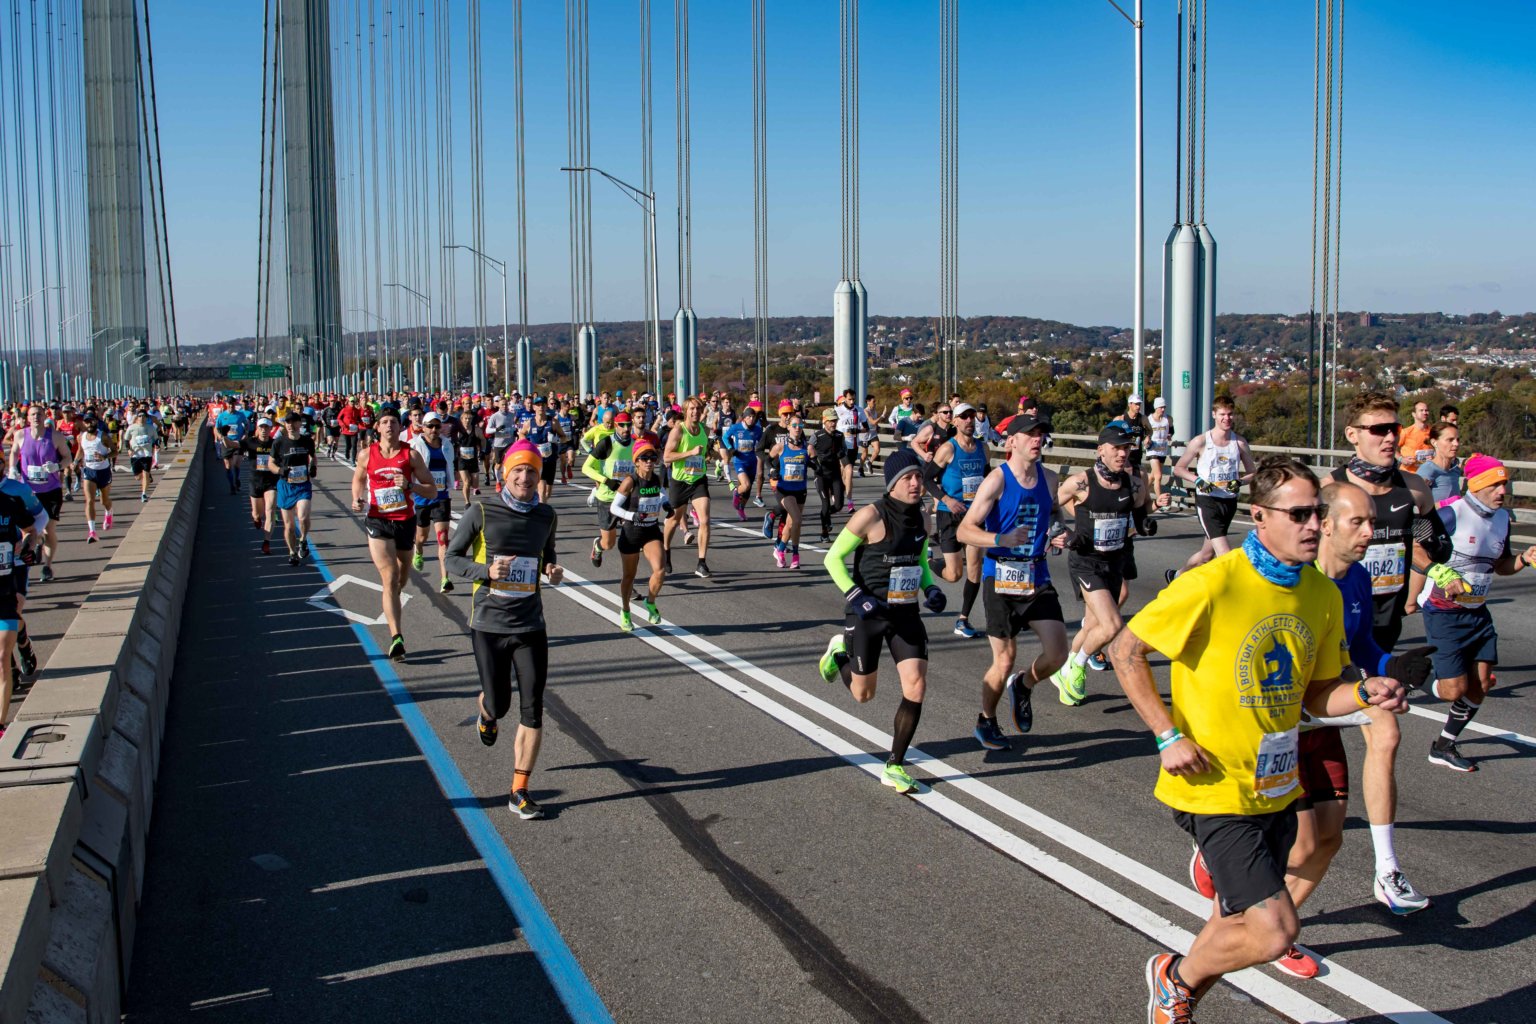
{"type": "Point", "coordinates": [1159, 402]}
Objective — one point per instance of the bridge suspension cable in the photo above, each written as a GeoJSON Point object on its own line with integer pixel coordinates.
{"type": "Point", "coordinates": [760, 190]}
{"type": "Point", "coordinates": [1327, 166]}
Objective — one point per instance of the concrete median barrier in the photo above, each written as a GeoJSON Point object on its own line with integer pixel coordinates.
{"type": "Point", "coordinates": [77, 770]}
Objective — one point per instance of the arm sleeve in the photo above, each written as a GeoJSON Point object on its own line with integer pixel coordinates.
{"type": "Point", "coordinates": [550, 556]}
{"type": "Point", "coordinates": [837, 559]}
{"type": "Point", "coordinates": [1432, 532]}
{"type": "Point", "coordinates": [457, 558]}
{"type": "Point", "coordinates": [1363, 649]}
{"type": "Point", "coordinates": [592, 469]}
{"type": "Point", "coordinates": [932, 471]}
{"type": "Point", "coordinates": [927, 580]}
{"type": "Point", "coordinates": [618, 509]}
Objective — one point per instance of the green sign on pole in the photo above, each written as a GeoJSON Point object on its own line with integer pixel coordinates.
{"type": "Point", "coordinates": [1186, 380]}
{"type": "Point", "coordinates": [239, 372]}
{"type": "Point", "coordinates": [274, 371]}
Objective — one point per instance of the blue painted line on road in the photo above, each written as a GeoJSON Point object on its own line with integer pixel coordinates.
{"type": "Point", "coordinates": [570, 982]}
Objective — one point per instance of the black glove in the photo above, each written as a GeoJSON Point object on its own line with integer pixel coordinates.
{"type": "Point", "coordinates": [1148, 527]}
{"type": "Point", "coordinates": [862, 603]}
{"type": "Point", "coordinates": [1412, 668]}
{"type": "Point", "coordinates": [28, 554]}
{"type": "Point", "coordinates": [666, 510]}
{"type": "Point", "coordinates": [611, 483]}
{"type": "Point", "coordinates": [934, 599]}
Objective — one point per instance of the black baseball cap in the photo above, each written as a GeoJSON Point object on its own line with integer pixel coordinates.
{"type": "Point", "coordinates": [1116, 436]}
{"type": "Point", "coordinates": [1024, 422]}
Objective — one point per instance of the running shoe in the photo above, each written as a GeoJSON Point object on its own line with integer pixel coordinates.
{"type": "Point", "coordinates": [1168, 575]}
{"type": "Point", "coordinates": [303, 547]}
{"type": "Point", "coordinates": [963, 628]}
{"type": "Point", "coordinates": [266, 547]}
{"type": "Point", "coordinates": [758, 502]}
{"type": "Point", "coordinates": [1021, 700]}
{"type": "Point", "coordinates": [1072, 680]}
{"type": "Point", "coordinates": [1098, 662]}
{"type": "Point", "coordinates": [769, 527]}
{"type": "Point", "coordinates": [687, 537]}
{"type": "Point", "coordinates": [989, 734]}
{"type": "Point", "coordinates": [825, 538]}
{"type": "Point", "coordinates": [1168, 1000]}
{"type": "Point", "coordinates": [1398, 894]}
{"type": "Point", "coordinates": [1442, 751]}
{"type": "Point", "coordinates": [446, 587]}
{"type": "Point", "coordinates": [107, 523]}
{"type": "Point", "coordinates": [898, 778]}
{"type": "Point", "coordinates": [70, 495]}
{"type": "Point", "coordinates": [794, 559]}
{"type": "Point", "coordinates": [47, 574]}
{"type": "Point", "coordinates": [666, 561]}
{"type": "Point", "coordinates": [293, 558]}
{"type": "Point", "coordinates": [27, 655]}
{"type": "Point", "coordinates": [849, 507]}
{"type": "Point", "coordinates": [1200, 877]}
{"type": "Point", "coordinates": [144, 497]}
{"type": "Point", "coordinates": [487, 728]}
{"type": "Point", "coordinates": [256, 523]}
{"type": "Point", "coordinates": [626, 624]}
{"type": "Point", "coordinates": [652, 613]}
{"type": "Point", "coordinates": [418, 560]}
{"type": "Point", "coordinates": [597, 551]}
{"type": "Point", "coordinates": [828, 664]}
{"type": "Point", "coordinates": [1297, 964]}
{"type": "Point", "coordinates": [522, 805]}
{"type": "Point", "coordinates": [90, 536]}
{"type": "Point", "coordinates": [702, 570]}
{"type": "Point", "coordinates": [778, 557]}
{"type": "Point", "coordinates": [397, 648]}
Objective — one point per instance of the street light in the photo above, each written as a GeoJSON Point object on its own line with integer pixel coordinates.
{"type": "Point", "coordinates": [428, 300]}
{"type": "Point", "coordinates": [647, 202]}
{"type": "Point", "coordinates": [383, 323]}
{"type": "Point", "coordinates": [506, 352]}
{"type": "Point", "coordinates": [1140, 312]}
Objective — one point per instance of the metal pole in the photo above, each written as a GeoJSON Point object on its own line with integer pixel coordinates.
{"type": "Point", "coordinates": [506, 353]}
{"type": "Point", "coordinates": [1138, 353]}
{"type": "Point", "coordinates": [655, 302]}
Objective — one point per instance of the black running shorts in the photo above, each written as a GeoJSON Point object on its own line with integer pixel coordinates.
{"type": "Point", "coordinates": [1007, 617]}
{"type": "Point", "coordinates": [401, 531]}
{"type": "Point", "coordinates": [1215, 514]}
{"type": "Point", "coordinates": [1245, 853]}
{"type": "Point", "coordinates": [901, 632]}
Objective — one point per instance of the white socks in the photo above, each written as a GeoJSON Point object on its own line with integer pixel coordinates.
{"type": "Point", "coordinates": [1386, 856]}
{"type": "Point", "coordinates": [1080, 658]}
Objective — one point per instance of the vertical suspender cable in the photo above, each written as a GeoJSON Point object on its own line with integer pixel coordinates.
{"type": "Point", "coordinates": [760, 190]}
{"type": "Point", "coordinates": [10, 349]}
{"type": "Point", "coordinates": [1325, 428]}
{"type": "Point", "coordinates": [373, 174]}
{"type": "Point", "coordinates": [23, 245]}
{"type": "Point", "coordinates": [159, 178]}
{"type": "Point", "coordinates": [261, 206]}
{"type": "Point", "coordinates": [574, 160]}
{"type": "Point", "coordinates": [1338, 220]}
{"type": "Point", "coordinates": [842, 138]}
{"type": "Point", "coordinates": [647, 185]}
{"type": "Point", "coordinates": [522, 198]}
{"type": "Point", "coordinates": [1313, 381]}
{"type": "Point", "coordinates": [37, 160]}
{"type": "Point", "coordinates": [56, 325]}
{"type": "Point", "coordinates": [853, 143]}
{"type": "Point", "coordinates": [445, 206]}
{"type": "Point", "coordinates": [274, 126]}
{"type": "Point", "coordinates": [477, 165]}
{"type": "Point", "coordinates": [1205, 8]}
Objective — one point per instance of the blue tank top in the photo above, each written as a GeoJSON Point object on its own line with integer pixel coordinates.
{"type": "Point", "coordinates": [1016, 506]}
{"type": "Point", "coordinates": [437, 465]}
{"type": "Point", "coordinates": [792, 468]}
{"type": "Point", "coordinates": [965, 471]}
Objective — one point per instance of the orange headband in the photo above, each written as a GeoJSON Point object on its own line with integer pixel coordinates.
{"type": "Point", "coordinates": [520, 456]}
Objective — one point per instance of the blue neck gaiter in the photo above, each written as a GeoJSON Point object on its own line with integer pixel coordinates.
{"type": "Point", "coordinates": [1267, 565]}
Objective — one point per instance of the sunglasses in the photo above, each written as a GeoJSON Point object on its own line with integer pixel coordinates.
{"type": "Point", "coordinates": [648, 457]}
{"type": "Point", "coordinates": [1379, 429]}
{"type": "Point", "coordinates": [942, 412]}
{"type": "Point", "coordinates": [967, 415]}
{"type": "Point", "coordinates": [1302, 514]}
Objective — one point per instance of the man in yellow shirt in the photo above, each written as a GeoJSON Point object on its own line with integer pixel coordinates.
{"type": "Point", "coordinates": [1252, 636]}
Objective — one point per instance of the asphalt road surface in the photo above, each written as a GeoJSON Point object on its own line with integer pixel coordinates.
{"type": "Point", "coordinates": [331, 840]}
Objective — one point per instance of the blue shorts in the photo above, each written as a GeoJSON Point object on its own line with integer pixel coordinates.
{"type": "Point", "coordinates": [744, 464]}
{"type": "Point", "coordinates": [10, 625]}
{"type": "Point", "coordinates": [99, 477]}
{"type": "Point", "coordinates": [1462, 637]}
{"type": "Point", "coordinates": [289, 495]}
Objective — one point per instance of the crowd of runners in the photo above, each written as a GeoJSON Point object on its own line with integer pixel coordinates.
{"type": "Point", "coordinates": [1278, 636]}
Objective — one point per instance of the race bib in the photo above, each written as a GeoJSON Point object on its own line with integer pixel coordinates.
{"type": "Point", "coordinates": [1386, 563]}
{"type": "Point", "coordinates": [263, 462]}
{"type": "Point", "coordinates": [1109, 533]}
{"type": "Point", "coordinates": [522, 577]}
{"type": "Point", "coordinates": [440, 477]}
{"type": "Point", "coordinates": [466, 452]}
{"type": "Point", "coordinates": [1276, 772]}
{"type": "Point", "coordinates": [649, 506]}
{"type": "Point", "coordinates": [968, 487]}
{"type": "Point", "coordinates": [141, 449]}
{"type": "Point", "coordinates": [793, 471]}
{"type": "Point", "coordinates": [746, 445]}
{"type": "Point", "coordinates": [694, 463]}
{"type": "Point", "coordinates": [298, 474]}
{"type": "Point", "coordinates": [623, 467]}
{"type": "Point", "coordinates": [1422, 455]}
{"type": "Point", "coordinates": [1476, 594]}
{"type": "Point", "coordinates": [848, 442]}
{"type": "Point", "coordinates": [1015, 579]}
{"type": "Point", "coordinates": [546, 450]}
{"type": "Point", "coordinates": [903, 584]}
{"type": "Point", "coordinates": [389, 499]}
{"type": "Point", "coordinates": [7, 558]}
{"type": "Point", "coordinates": [37, 474]}
{"type": "Point", "coordinates": [96, 464]}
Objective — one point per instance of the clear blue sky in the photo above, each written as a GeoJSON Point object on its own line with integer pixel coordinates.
{"type": "Point", "coordinates": [1439, 153]}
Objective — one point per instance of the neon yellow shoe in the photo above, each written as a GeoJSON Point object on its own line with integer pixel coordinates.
{"type": "Point", "coordinates": [652, 613]}
{"type": "Point", "coordinates": [417, 561]}
{"type": "Point", "coordinates": [898, 778]}
{"type": "Point", "coordinates": [625, 623]}
{"type": "Point", "coordinates": [828, 664]}
{"type": "Point", "coordinates": [1071, 680]}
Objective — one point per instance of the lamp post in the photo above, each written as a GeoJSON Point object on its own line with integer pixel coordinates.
{"type": "Point", "coordinates": [506, 354]}
{"type": "Point", "coordinates": [90, 344]}
{"type": "Point", "coordinates": [647, 202]}
{"type": "Point", "coordinates": [428, 300]}
{"type": "Point", "coordinates": [384, 323]}
{"type": "Point", "coordinates": [1138, 354]}
{"type": "Point", "coordinates": [106, 364]}
{"type": "Point", "coordinates": [17, 307]}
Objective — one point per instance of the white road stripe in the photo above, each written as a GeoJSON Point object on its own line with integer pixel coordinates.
{"type": "Point", "coordinates": [1486, 730]}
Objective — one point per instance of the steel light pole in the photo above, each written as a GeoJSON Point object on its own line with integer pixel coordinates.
{"type": "Point", "coordinates": [384, 323]}
{"type": "Point", "coordinates": [1140, 287]}
{"type": "Point", "coordinates": [506, 352]}
{"type": "Point", "coordinates": [16, 308]}
{"type": "Point", "coordinates": [431, 359]}
{"type": "Point", "coordinates": [92, 342]}
{"type": "Point", "coordinates": [647, 202]}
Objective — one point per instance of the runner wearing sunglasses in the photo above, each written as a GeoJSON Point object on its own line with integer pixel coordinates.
{"type": "Point", "coordinates": [640, 504]}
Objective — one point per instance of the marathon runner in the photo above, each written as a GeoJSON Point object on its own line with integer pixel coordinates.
{"type": "Point", "coordinates": [889, 548]}
{"type": "Point", "coordinates": [1264, 618]}
{"type": "Point", "coordinates": [70, 426]}
{"type": "Point", "coordinates": [143, 438]}
{"type": "Point", "coordinates": [258, 448]}
{"type": "Point", "coordinates": [1216, 464]}
{"type": "Point", "coordinates": [869, 437]}
{"type": "Point", "coordinates": [1456, 616]}
{"type": "Point", "coordinates": [612, 459]}
{"type": "Point", "coordinates": [500, 430]}
{"type": "Point", "coordinates": [1159, 443]}
{"type": "Point", "coordinates": [1408, 533]}
{"type": "Point", "coordinates": [387, 473]}
{"type": "Point", "coordinates": [850, 419]}
{"type": "Point", "coordinates": [332, 416]}
{"type": "Point", "coordinates": [640, 501]}
{"type": "Point", "coordinates": [686, 449]}
{"type": "Point", "coordinates": [791, 455]}
{"type": "Point", "coordinates": [436, 512]}
{"type": "Point", "coordinates": [741, 441]}
{"type": "Point", "coordinates": [16, 551]}
{"type": "Point", "coordinates": [545, 434]}
{"type": "Point", "coordinates": [1009, 520]}
{"type": "Point", "coordinates": [1103, 504]}
{"type": "Point", "coordinates": [94, 459]}
{"type": "Point", "coordinates": [293, 459]}
{"type": "Point", "coordinates": [504, 546]}
{"type": "Point", "coordinates": [1442, 470]}
{"type": "Point", "coordinates": [1413, 447]}
{"type": "Point", "coordinates": [827, 463]}
{"type": "Point", "coordinates": [35, 457]}
{"type": "Point", "coordinates": [467, 450]}
{"type": "Point", "coordinates": [230, 429]}
{"type": "Point", "coordinates": [767, 472]}
{"type": "Point", "coordinates": [952, 476]}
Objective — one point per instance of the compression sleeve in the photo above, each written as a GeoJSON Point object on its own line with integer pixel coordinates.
{"type": "Point", "coordinates": [457, 558]}
{"type": "Point", "coordinates": [837, 559]}
{"type": "Point", "coordinates": [618, 509]}
{"type": "Point", "coordinates": [1430, 533]}
{"type": "Point", "coordinates": [932, 471]}
{"type": "Point", "coordinates": [592, 469]}
{"type": "Point", "coordinates": [927, 569]}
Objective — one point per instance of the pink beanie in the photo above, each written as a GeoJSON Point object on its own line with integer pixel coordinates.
{"type": "Point", "coordinates": [1484, 471]}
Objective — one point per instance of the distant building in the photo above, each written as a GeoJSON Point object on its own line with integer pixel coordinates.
{"type": "Point", "coordinates": [1367, 319]}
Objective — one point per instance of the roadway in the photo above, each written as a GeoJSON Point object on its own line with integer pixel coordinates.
{"type": "Point", "coordinates": [331, 840]}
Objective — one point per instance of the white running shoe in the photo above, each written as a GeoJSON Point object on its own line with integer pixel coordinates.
{"type": "Point", "coordinates": [1398, 894]}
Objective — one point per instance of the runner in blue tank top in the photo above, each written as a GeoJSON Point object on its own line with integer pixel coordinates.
{"type": "Point", "coordinates": [952, 477]}
{"type": "Point", "coordinates": [1010, 520]}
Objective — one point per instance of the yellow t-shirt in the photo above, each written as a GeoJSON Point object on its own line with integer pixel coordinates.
{"type": "Point", "coordinates": [1244, 651]}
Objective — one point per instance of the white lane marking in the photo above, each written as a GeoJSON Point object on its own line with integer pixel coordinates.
{"type": "Point", "coordinates": [1486, 730]}
{"type": "Point", "coordinates": [325, 599]}
{"type": "Point", "coordinates": [1340, 978]}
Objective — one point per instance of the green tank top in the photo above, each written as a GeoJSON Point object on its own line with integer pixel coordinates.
{"type": "Point", "coordinates": [618, 465]}
{"type": "Point", "coordinates": [691, 469]}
